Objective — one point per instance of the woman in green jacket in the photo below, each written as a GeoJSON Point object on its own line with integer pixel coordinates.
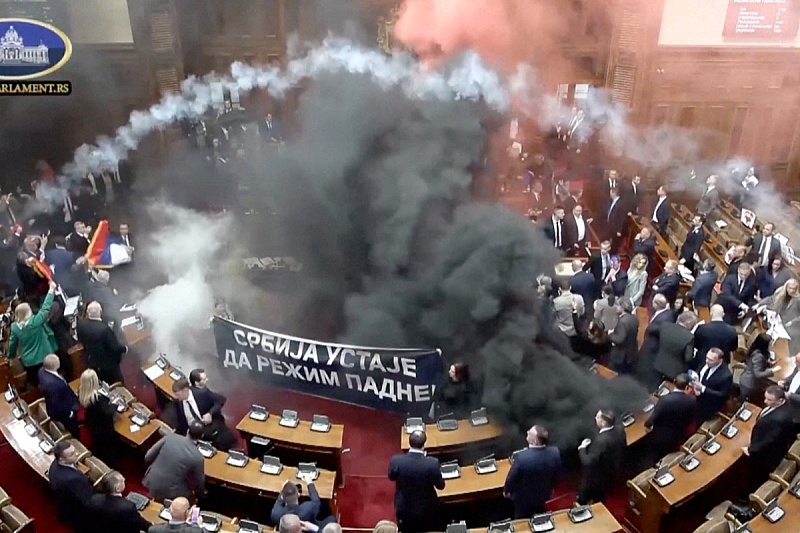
{"type": "Point", "coordinates": [33, 336]}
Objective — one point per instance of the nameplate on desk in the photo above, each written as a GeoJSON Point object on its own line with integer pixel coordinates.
{"type": "Point", "coordinates": [248, 526]}
{"type": "Point", "coordinates": [628, 420]}
{"type": "Point", "coordinates": [711, 447]}
{"type": "Point", "coordinates": [10, 395]}
{"type": "Point", "coordinates": [663, 477]}
{"type": "Point", "coordinates": [211, 523]}
{"type": "Point", "coordinates": [663, 390]}
{"type": "Point", "coordinates": [139, 419]}
{"type": "Point", "coordinates": [690, 463]}
{"type": "Point", "coordinates": [139, 500]}
{"type": "Point", "coordinates": [206, 449]}
{"type": "Point", "coordinates": [258, 413]}
{"type": "Point", "coordinates": [176, 375]}
{"type": "Point", "coordinates": [450, 470]}
{"type": "Point", "coordinates": [32, 429]}
{"type": "Point", "coordinates": [730, 431]}
{"type": "Point", "coordinates": [479, 417]}
{"type": "Point", "coordinates": [320, 423]}
{"type": "Point", "coordinates": [745, 415]}
{"type": "Point", "coordinates": [447, 424]}
{"type": "Point", "coordinates": [773, 512]}
{"type": "Point", "coordinates": [487, 465]}
{"type": "Point", "coordinates": [506, 526]}
{"type": "Point", "coordinates": [289, 419]}
{"type": "Point", "coordinates": [542, 522]}
{"type": "Point", "coordinates": [153, 372]}
{"type": "Point", "coordinates": [162, 363]}
{"type": "Point", "coordinates": [46, 444]}
{"type": "Point", "coordinates": [19, 412]}
{"type": "Point", "coordinates": [237, 459]}
{"type": "Point", "coordinates": [457, 527]}
{"type": "Point", "coordinates": [271, 465]}
{"type": "Point", "coordinates": [794, 490]}
{"type": "Point", "coordinates": [649, 406]}
{"type": "Point", "coordinates": [307, 469]}
{"type": "Point", "coordinates": [580, 514]}
{"type": "Point", "coordinates": [414, 424]}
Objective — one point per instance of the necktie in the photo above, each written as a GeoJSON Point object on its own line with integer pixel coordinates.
{"type": "Point", "coordinates": [192, 410]}
{"type": "Point", "coordinates": [741, 287]}
{"type": "Point", "coordinates": [558, 234]}
{"type": "Point", "coordinates": [605, 265]}
{"type": "Point", "coordinates": [634, 189]}
{"type": "Point", "coordinates": [612, 184]}
{"type": "Point", "coordinates": [704, 377]}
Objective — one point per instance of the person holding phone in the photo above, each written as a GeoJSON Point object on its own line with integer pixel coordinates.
{"type": "Point", "coordinates": [183, 519]}
{"type": "Point", "coordinates": [288, 502]}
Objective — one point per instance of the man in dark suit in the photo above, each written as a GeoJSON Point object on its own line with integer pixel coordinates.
{"type": "Point", "coordinates": [78, 241]}
{"type": "Point", "coordinates": [792, 387]}
{"type": "Point", "coordinates": [670, 419]}
{"type": "Point", "coordinates": [645, 371]}
{"type": "Point", "coordinates": [738, 293]}
{"type": "Point", "coordinates": [103, 350]}
{"type": "Point", "coordinates": [553, 227]}
{"type": "Point", "coordinates": [703, 286]}
{"type": "Point", "coordinates": [707, 205]}
{"type": "Point", "coordinates": [715, 334]}
{"type": "Point", "coordinates": [624, 353]}
{"type": "Point", "coordinates": [199, 404]}
{"type": "Point", "coordinates": [576, 231]}
{"type": "Point", "coordinates": [599, 265]}
{"type": "Point", "coordinates": [72, 490]}
{"type": "Point", "coordinates": [694, 241]}
{"type": "Point", "coordinates": [416, 478]}
{"type": "Point", "coordinates": [772, 434]}
{"type": "Point", "coordinates": [112, 512]}
{"type": "Point", "coordinates": [62, 263]}
{"type": "Point", "coordinates": [668, 282]}
{"type": "Point", "coordinates": [644, 243]}
{"type": "Point", "coordinates": [61, 402]}
{"type": "Point", "coordinates": [533, 475]}
{"type": "Point", "coordinates": [632, 194]}
{"type": "Point", "coordinates": [601, 458]}
{"type": "Point", "coordinates": [661, 212]}
{"type": "Point", "coordinates": [123, 236]}
{"type": "Point", "coordinates": [288, 502]}
{"type": "Point", "coordinates": [616, 219]}
{"type": "Point", "coordinates": [675, 346]}
{"type": "Point", "coordinates": [583, 284]}
{"type": "Point", "coordinates": [766, 245]}
{"type": "Point", "coordinates": [713, 385]}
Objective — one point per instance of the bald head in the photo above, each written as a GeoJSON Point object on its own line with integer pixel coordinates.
{"type": "Point", "coordinates": [290, 523]}
{"type": "Point", "coordinates": [717, 312]}
{"type": "Point", "coordinates": [659, 302]}
{"type": "Point", "coordinates": [94, 310]}
{"type": "Point", "coordinates": [51, 362]}
{"type": "Point", "coordinates": [102, 276]}
{"type": "Point", "coordinates": [577, 265]}
{"type": "Point", "coordinates": [179, 509]}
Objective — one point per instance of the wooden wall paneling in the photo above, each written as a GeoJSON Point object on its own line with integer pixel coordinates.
{"type": "Point", "coordinates": [783, 134]}
{"type": "Point", "coordinates": [661, 114]}
{"type": "Point", "coordinates": [739, 116]}
{"type": "Point", "coordinates": [716, 121]}
{"type": "Point", "coordinates": [686, 117]}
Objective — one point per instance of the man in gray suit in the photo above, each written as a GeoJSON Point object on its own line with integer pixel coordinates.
{"type": "Point", "coordinates": [624, 352]}
{"type": "Point", "coordinates": [675, 346]}
{"type": "Point", "coordinates": [179, 513]}
{"type": "Point", "coordinates": [707, 204]}
{"type": "Point", "coordinates": [175, 466]}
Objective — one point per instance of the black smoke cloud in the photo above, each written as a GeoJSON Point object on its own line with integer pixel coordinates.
{"type": "Point", "coordinates": [374, 192]}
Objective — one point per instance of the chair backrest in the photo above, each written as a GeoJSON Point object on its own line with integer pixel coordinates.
{"type": "Point", "coordinates": [765, 494]}
{"type": "Point", "coordinates": [97, 469]}
{"type": "Point", "coordinates": [784, 472]}
{"type": "Point", "coordinates": [15, 519]}
{"type": "Point", "coordinates": [125, 394]}
{"type": "Point", "coordinates": [57, 431]}
{"type": "Point", "coordinates": [5, 499]}
{"type": "Point", "coordinates": [794, 452]}
{"type": "Point", "coordinates": [80, 449]}
{"type": "Point", "coordinates": [38, 411]}
{"type": "Point", "coordinates": [694, 443]}
{"type": "Point", "coordinates": [712, 426]}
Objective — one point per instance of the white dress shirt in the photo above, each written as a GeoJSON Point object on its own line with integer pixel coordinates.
{"type": "Point", "coordinates": [581, 225]}
{"type": "Point", "coordinates": [795, 384]}
{"type": "Point", "coordinates": [655, 211]}
{"type": "Point", "coordinates": [188, 406]}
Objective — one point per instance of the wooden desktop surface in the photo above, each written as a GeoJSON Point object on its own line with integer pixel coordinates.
{"type": "Point", "coordinates": [783, 358]}
{"type": "Point", "coordinates": [602, 522]}
{"type": "Point", "coordinates": [789, 522]}
{"type": "Point", "coordinates": [686, 484]}
{"type": "Point", "coordinates": [163, 382]}
{"type": "Point", "coordinates": [133, 335]}
{"type": "Point", "coordinates": [465, 435]}
{"type": "Point", "coordinates": [250, 477]}
{"type": "Point", "coordinates": [123, 424]}
{"type": "Point", "coordinates": [150, 513]}
{"type": "Point", "coordinates": [301, 436]}
{"type": "Point", "coordinates": [473, 486]}
{"type": "Point", "coordinates": [26, 446]}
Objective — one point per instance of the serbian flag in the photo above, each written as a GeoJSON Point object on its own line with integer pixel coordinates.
{"type": "Point", "coordinates": [42, 269]}
{"type": "Point", "coordinates": [103, 252]}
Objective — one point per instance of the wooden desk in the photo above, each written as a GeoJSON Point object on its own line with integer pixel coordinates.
{"type": "Point", "coordinates": [299, 438]}
{"type": "Point", "coordinates": [133, 335]}
{"type": "Point", "coordinates": [790, 521]}
{"type": "Point", "coordinates": [686, 485]}
{"type": "Point", "coordinates": [467, 435]}
{"type": "Point", "coordinates": [26, 446]}
{"type": "Point", "coordinates": [150, 513]}
{"type": "Point", "coordinates": [250, 479]}
{"type": "Point", "coordinates": [784, 359]}
{"type": "Point", "coordinates": [123, 425]}
{"type": "Point", "coordinates": [163, 383]}
{"type": "Point", "coordinates": [602, 522]}
{"type": "Point", "coordinates": [472, 486]}
{"type": "Point", "coordinates": [604, 371]}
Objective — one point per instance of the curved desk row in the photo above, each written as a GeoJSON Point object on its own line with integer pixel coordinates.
{"type": "Point", "coordinates": [466, 435]}
{"type": "Point", "coordinates": [602, 522]}
{"type": "Point", "coordinates": [151, 512]}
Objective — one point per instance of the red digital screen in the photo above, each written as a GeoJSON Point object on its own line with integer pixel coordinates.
{"type": "Point", "coordinates": [774, 20]}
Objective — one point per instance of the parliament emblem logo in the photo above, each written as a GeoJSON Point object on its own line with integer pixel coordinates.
{"type": "Point", "coordinates": [30, 49]}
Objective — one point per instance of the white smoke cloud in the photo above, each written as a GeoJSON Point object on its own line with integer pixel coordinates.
{"type": "Point", "coordinates": [184, 248]}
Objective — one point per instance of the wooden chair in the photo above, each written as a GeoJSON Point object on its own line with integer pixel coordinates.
{"type": "Point", "coordinates": [5, 499]}
{"type": "Point", "coordinates": [57, 431]}
{"type": "Point", "coordinates": [38, 411]}
{"type": "Point", "coordinates": [694, 443]}
{"type": "Point", "coordinates": [716, 525]}
{"type": "Point", "coordinates": [768, 491]}
{"type": "Point", "coordinates": [713, 426]}
{"type": "Point", "coordinates": [15, 520]}
{"type": "Point", "coordinates": [639, 487]}
{"type": "Point", "coordinates": [125, 394]}
{"type": "Point", "coordinates": [794, 452]}
{"type": "Point", "coordinates": [97, 470]}
{"type": "Point", "coordinates": [784, 472]}
{"type": "Point", "coordinates": [673, 459]}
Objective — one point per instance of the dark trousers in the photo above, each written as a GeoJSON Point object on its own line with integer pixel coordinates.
{"type": "Point", "coordinates": [109, 375]}
{"type": "Point", "coordinates": [591, 493]}
{"type": "Point", "coordinates": [219, 435]}
{"type": "Point", "coordinates": [32, 375]}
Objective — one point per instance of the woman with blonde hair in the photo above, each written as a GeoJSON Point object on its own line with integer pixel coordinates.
{"type": "Point", "coordinates": [100, 415]}
{"type": "Point", "coordinates": [786, 302]}
{"type": "Point", "coordinates": [637, 279]}
{"type": "Point", "coordinates": [34, 338]}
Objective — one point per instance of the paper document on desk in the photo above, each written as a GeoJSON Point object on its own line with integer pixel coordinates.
{"type": "Point", "coordinates": [153, 372]}
{"type": "Point", "coordinates": [721, 224]}
{"type": "Point", "coordinates": [127, 308]}
{"type": "Point", "coordinates": [130, 321]}
{"type": "Point", "coordinates": [71, 308]}
{"type": "Point", "coordinates": [777, 331]}
{"type": "Point", "coordinates": [685, 273]}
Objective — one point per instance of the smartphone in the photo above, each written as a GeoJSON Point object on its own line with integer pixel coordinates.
{"type": "Point", "coordinates": [195, 516]}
